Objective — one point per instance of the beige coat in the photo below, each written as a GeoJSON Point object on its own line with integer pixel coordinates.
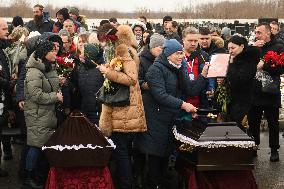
{"type": "Point", "coordinates": [129, 118]}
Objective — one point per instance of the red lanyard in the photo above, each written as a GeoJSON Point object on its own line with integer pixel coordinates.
{"type": "Point", "coordinates": [190, 65]}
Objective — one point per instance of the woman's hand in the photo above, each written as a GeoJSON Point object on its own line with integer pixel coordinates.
{"type": "Point", "coordinates": [188, 107]}
{"type": "Point", "coordinates": [59, 96]}
{"type": "Point", "coordinates": [103, 69]}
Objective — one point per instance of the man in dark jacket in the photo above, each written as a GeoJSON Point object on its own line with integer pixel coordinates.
{"type": "Point", "coordinates": [194, 63]}
{"type": "Point", "coordinates": [206, 44]}
{"type": "Point", "coordinates": [39, 23]}
{"type": "Point", "coordinates": [5, 83]}
{"type": "Point", "coordinates": [266, 101]}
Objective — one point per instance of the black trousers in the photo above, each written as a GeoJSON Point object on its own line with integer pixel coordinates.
{"type": "Point", "coordinates": [5, 140]}
{"type": "Point", "coordinates": [272, 116]}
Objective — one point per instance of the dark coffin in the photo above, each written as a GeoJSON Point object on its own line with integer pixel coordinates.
{"type": "Point", "coordinates": [212, 157]}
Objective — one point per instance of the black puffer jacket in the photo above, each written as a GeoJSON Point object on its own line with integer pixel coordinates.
{"type": "Point", "coordinates": [90, 81]}
{"type": "Point", "coordinates": [146, 60]}
{"type": "Point", "coordinates": [269, 99]}
{"type": "Point", "coordinates": [241, 82]}
{"type": "Point", "coordinates": [5, 83]}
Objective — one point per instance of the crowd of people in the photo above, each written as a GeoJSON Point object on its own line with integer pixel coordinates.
{"type": "Point", "coordinates": [50, 69]}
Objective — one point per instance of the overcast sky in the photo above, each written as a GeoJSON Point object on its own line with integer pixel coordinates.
{"type": "Point", "coordinates": [121, 5]}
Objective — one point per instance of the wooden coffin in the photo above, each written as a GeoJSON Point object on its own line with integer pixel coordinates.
{"type": "Point", "coordinates": [224, 147]}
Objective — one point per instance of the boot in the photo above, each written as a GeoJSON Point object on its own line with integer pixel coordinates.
{"type": "Point", "coordinates": [274, 156]}
{"type": "Point", "coordinates": [30, 182]}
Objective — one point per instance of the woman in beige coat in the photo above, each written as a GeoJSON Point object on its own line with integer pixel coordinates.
{"type": "Point", "coordinates": [125, 121]}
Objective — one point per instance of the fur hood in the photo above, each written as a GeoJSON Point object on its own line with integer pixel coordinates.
{"type": "Point", "coordinates": [126, 36]}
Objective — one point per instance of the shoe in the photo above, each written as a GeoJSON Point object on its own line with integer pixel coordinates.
{"type": "Point", "coordinates": [30, 182]}
{"type": "Point", "coordinates": [3, 173]}
{"type": "Point", "coordinates": [8, 156]}
{"type": "Point", "coordinates": [274, 156]}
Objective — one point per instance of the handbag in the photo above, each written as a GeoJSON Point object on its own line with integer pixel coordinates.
{"type": "Point", "coordinates": [268, 83]}
{"type": "Point", "coordinates": [119, 97]}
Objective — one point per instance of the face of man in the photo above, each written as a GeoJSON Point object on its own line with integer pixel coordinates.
{"type": "Point", "coordinates": [142, 20]}
{"type": "Point", "coordinates": [66, 43]}
{"type": "Point", "coordinates": [69, 26]}
{"type": "Point", "coordinates": [262, 33]}
{"type": "Point", "coordinates": [190, 42]}
{"type": "Point", "coordinates": [205, 41]}
{"type": "Point", "coordinates": [169, 27]}
{"type": "Point", "coordinates": [37, 11]}
{"type": "Point", "coordinates": [74, 16]}
{"type": "Point", "coordinates": [274, 29]}
{"type": "Point", "coordinates": [3, 29]}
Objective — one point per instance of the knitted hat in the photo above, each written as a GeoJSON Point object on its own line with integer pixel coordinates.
{"type": "Point", "coordinates": [74, 10]}
{"type": "Point", "coordinates": [140, 24]}
{"type": "Point", "coordinates": [171, 46]}
{"type": "Point", "coordinates": [167, 18]}
{"type": "Point", "coordinates": [18, 32]}
{"type": "Point", "coordinates": [43, 48]}
{"type": "Point", "coordinates": [156, 40]}
{"type": "Point", "coordinates": [17, 21]}
{"type": "Point", "coordinates": [93, 53]}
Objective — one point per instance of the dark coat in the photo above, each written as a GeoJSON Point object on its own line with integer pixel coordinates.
{"type": "Point", "coordinates": [5, 83]}
{"type": "Point", "coordinates": [90, 81]}
{"type": "Point", "coordinates": [163, 103]}
{"type": "Point", "coordinates": [146, 60]}
{"type": "Point", "coordinates": [269, 99]}
{"type": "Point", "coordinates": [47, 26]}
{"type": "Point", "coordinates": [241, 82]}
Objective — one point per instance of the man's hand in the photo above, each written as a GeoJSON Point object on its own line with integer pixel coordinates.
{"type": "Point", "coordinates": [259, 43]}
{"type": "Point", "coordinates": [205, 70]}
{"type": "Point", "coordinates": [260, 65]}
{"type": "Point", "coordinates": [12, 116]}
{"type": "Point", "coordinates": [145, 86]}
{"type": "Point", "coordinates": [103, 69]}
{"type": "Point", "coordinates": [21, 105]}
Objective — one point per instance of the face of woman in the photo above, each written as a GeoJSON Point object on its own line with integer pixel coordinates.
{"type": "Point", "coordinates": [235, 49]}
{"type": "Point", "coordinates": [156, 51]}
{"type": "Point", "coordinates": [51, 55]}
{"type": "Point", "coordinates": [176, 57]}
{"type": "Point", "coordinates": [80, 44]}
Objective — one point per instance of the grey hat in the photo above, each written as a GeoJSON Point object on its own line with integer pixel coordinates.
{"type": "Point", "coordinates": [63, 32]}
{"type": "Point", "coordinates": [156, 40]}
{"type": "Point", "coordinates": [226, 32]}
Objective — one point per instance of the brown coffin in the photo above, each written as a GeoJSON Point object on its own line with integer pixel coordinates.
{"type": "Point", "coordinates": [77, 130]}
{"type": "Point", "coordinates": [219, 158]}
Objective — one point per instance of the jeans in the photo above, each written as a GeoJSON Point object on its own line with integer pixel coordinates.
{"type": "Point", "coordinates": [32, 158]}
{"type": "Point", "coordinates": [121, 154]}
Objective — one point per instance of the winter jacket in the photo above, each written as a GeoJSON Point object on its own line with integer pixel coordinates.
{"type": "Point", "coordinates": [240, 77]}
{"type": "Point", "coordinates": [128, 118]}
{"type": "Point", "coordinates": [90, 81]}
{"type": "Point", "coordinates": [213, 49]}
{"type": "Point", "coordinates": [146, 60]}
{"type": "Point", "coordinates": [269, 99]}
{"type": "Point", "coordinates": [47, 26]}
{"type": "Point", "coordinates": [163, 103]}
{"type": "Point", "coordinates": [40, 99]}
{"type": "Point", "coordinates": [5, 83]}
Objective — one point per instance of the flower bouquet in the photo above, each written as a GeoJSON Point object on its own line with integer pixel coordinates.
{"type": "Point", "coordinates": [65, 66]}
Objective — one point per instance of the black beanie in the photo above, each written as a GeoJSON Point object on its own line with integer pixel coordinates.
{"type": "Point", "coordinates": [238, 40]}
{"type": "Point", "coordinates": [43, 48]}
{"type": "Point", "coordinates": [18, 21]}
